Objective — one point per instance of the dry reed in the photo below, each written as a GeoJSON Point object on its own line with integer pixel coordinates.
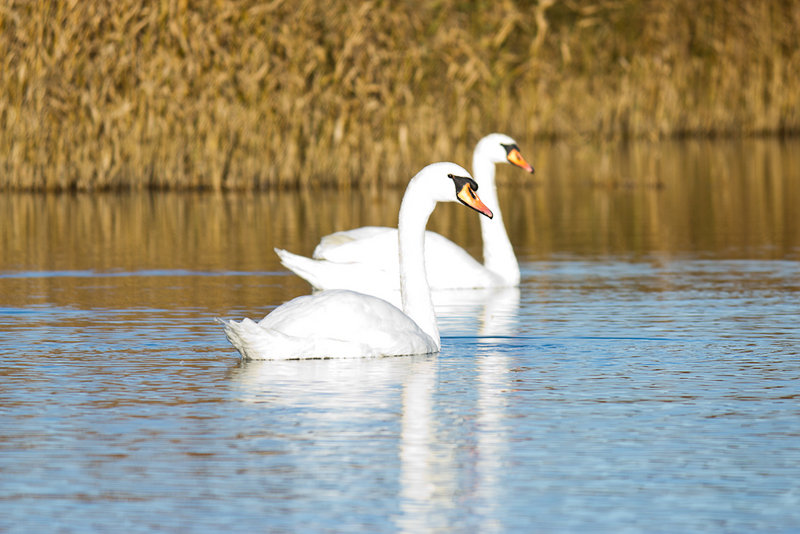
{"type": "Point", "coordinates": [242, 94]}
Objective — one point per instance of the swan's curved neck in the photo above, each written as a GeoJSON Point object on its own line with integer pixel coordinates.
{"type": "Point", "coordinates": [498, 254]}
{"type": "Point", "coordinates": [415, 210]}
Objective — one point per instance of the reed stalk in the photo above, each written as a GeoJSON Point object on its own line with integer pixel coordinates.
{"type": "Point", "coordinates": [241, 94]}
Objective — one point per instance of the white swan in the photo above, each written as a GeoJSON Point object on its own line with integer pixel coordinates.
{"type": "Point", "coordinates": [346, 324]}
{"type": "Point", "coordinates": [365, 259]}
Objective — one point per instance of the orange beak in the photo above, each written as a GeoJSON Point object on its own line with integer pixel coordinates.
{"type": "Point", "coordinates": [515, 158]}
{"type": "Point", "coordinates": [468, 197]}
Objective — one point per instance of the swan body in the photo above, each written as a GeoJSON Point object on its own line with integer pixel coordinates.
{"type": "Point", "coordinates": [337, 323]}
{"type": "Point", "coordinates": [342, 323]}
{"type": "Point", "coordinates": [361, 264]}
{"type": "Point", "coordinates": [364, 259]}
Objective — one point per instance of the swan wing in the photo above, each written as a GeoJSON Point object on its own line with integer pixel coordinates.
{"type": "Point", "coordinates": [371, 253]}
{"type": "Point", "coordinates": [381, 280]}
{"type": "Point", "coordinates": [451, 267]}
{"type": "Point", "coordinates": [366, 245]}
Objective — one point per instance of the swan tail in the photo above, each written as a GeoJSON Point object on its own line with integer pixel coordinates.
{"type": "Point", "coordinates": [252, 341]}
{"type": "Point", "coordinates": [255, 342]}
{"type": "Point", "coordinates": [306, 268]}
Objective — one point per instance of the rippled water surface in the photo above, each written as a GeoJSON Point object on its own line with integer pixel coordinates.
{"type": "Point", "coordinates": [645, 376]}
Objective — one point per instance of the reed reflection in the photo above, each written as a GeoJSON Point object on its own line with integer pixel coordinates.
{"type": "Point", "coordinates": [733, 199]}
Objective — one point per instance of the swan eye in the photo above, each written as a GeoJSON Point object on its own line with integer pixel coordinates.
{"type": "Point", "coordinates": [460, 181]}
{"type": "Point", "coordinates": [509, 148]}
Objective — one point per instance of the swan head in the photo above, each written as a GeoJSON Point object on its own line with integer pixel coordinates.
{"type": "Point", "coordinates": [500, 148]}
{"type": "Point", "coordinates": [450, 182]}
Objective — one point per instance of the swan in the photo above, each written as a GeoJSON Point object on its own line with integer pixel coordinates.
{"type": "Point", "coordinates": [365, 259]}
{"type": "Point", "coordinates": [341, 323]}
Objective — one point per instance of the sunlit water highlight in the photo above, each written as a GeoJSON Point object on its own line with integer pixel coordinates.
{"type": "Point", "coordinates": [650, 387]}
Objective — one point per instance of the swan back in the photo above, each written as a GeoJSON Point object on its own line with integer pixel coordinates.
{"type": "Point", "coordinates": [337, 323]}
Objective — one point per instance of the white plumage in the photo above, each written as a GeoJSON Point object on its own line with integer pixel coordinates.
{"type": "Point", "coordinates": [348, 324]}
{"type": "Point", "coordinates": [338, 323]}
{"type": "Point", "coordinates": [365, 259]}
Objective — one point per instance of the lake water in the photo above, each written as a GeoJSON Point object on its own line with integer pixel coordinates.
{"type": "Point", "coordinates": [645, 376]}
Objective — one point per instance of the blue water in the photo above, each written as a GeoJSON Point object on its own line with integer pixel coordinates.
{"type": "Point", "coordinates": [605, 395]}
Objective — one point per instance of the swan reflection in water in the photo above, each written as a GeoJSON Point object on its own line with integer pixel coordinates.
{"type": "Point", "coordinates": [359, 399]}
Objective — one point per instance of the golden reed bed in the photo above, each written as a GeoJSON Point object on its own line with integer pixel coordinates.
{"type": "Point", "coordinates": [244, 94]}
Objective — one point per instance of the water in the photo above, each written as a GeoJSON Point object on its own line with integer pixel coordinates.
{"type": "Point", "coordinates": [645, 376]}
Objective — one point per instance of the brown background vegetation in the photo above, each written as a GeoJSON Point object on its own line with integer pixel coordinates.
{"type": "Point", "coordinates": [241, 94]}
